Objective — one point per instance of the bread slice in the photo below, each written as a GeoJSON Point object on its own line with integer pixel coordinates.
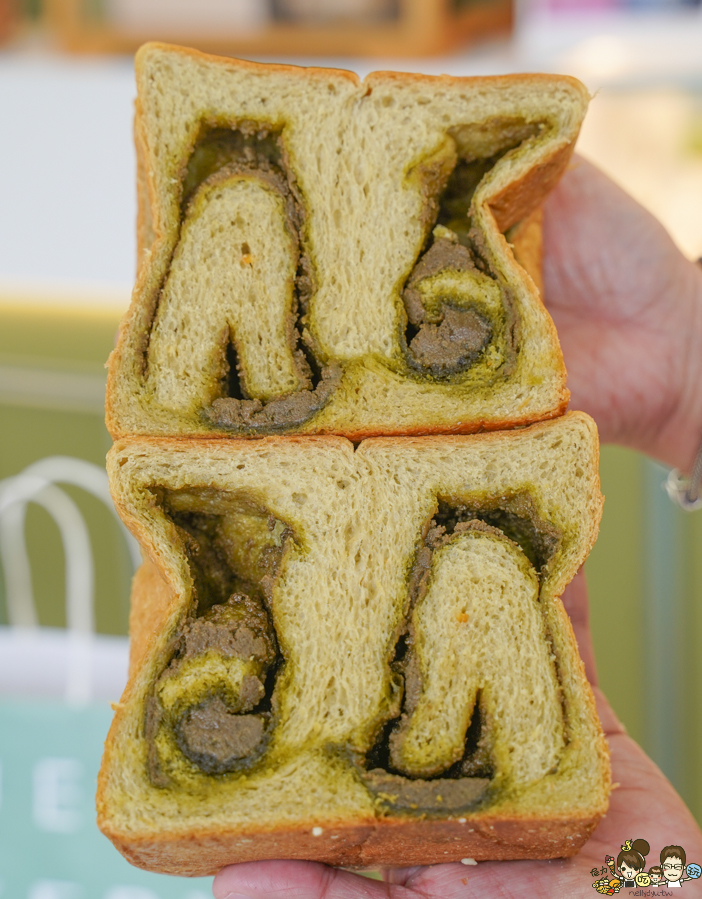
{"type": "Point", "coordinates": [355, 656]}
{"type": "Point", "coordinates": [322, 255]}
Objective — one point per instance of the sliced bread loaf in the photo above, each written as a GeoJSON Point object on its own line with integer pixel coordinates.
{"type": "Point", "coordinates": [356, 656]}
{"type": "Point", "coordinates": [324, 255]}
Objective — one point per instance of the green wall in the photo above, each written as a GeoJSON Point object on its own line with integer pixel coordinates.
{"type": "Point", "coordinates": [43, 344]}
{"type": "Point", "coordinates": [615, 585]}
{"type": "Point", "coordinates": [645, 584]}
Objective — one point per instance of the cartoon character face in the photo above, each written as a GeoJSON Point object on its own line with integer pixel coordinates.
{"type": "Point", "coordinates": [642, 879]}
{"type": "Point", "coordinates": [673, 869]}
{"type": "Point", "coordinates": [655, 878]}
{"type": "Point", "coordinates": [694, 871]}
{"type": "Point", "coordinates": [628, 872]}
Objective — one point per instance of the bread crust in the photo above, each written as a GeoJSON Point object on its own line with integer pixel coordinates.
{"type": "Point", "coordinates": [289, 70]}
{"type": "Point", "coordinates": [527, 243]}
{"type": "Point", "coordinates": [366, 845]}
{"type": "Point", "coordinates": [151, 598]}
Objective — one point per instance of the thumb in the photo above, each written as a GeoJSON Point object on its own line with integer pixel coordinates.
{"type": "Point", "coordinates": [299, 880]}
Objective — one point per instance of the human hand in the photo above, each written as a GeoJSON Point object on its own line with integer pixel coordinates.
{"type": "Point", "coordinates": [628, 308]}
{"type": "Point", "coordinates": [644, 805]}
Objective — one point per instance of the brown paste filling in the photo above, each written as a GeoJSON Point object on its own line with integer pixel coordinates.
{"type": "Point", "coordinates": [462, 334]}
{"type": "Point", "coordinates": [220, 727]}
{"type": "Point", "coordinates": [216, 733]}
{"type": "Point", "coordinates": [455, 342]}
{"type": "Point", "coordinates": [277, 414]}
{"type": "Point", "coordinates": [398, 793]}
{"type": "Point", "coordinates": [515, 516]}
{"type": "Point", "coordinates": [214, 738]}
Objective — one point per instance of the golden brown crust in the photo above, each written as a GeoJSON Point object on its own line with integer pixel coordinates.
{"type": "Point", "coordinates": [145, 232]}
{"type": "Point", "coordinates": [458, 428]}
{"type": "Point", "coordinates": [291, 71]}
{"type": "Point", "coordinates": [150, 600]}
{"type": "Point", "coordinates": [527, 245]}
{"type": "Point", "coordinates": [520, 198]}
{"type": "Point", "coordinates": [377, 844]}
{"type": "Point", "coordinates": [477, 426]}
{"type": "Point", "coordinates": [532, 78]}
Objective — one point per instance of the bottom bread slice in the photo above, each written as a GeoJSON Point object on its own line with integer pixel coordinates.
{"type": "Point", "coordinates": [355, 656]}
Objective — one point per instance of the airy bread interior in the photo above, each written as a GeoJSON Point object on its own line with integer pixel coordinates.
{"type": "Point", "coordinates": [455, 660]}
{"type": "Point", "coordinates": [323, 255]}
{"type": "Point", "coordinates": [355, 655]}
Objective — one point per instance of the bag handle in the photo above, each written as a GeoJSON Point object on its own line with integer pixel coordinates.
{"type": "Point", "coordinates": [36, 484]}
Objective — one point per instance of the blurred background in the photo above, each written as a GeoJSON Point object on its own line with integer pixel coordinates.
{"type": "Point", "coordinates": [67, 261]}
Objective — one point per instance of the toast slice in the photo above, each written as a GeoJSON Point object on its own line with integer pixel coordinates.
{"type": "Point", "coordinates": [321, 255]}
{"type": "Point", "coordinates": [355, 656]}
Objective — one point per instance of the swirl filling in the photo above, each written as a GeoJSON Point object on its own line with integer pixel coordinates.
{"type": "Point", "coordinates": [471, 724]}
{"type": "Point", "coordinates": [231, 341]}
{"type": "Point", "coordinates": [459, 308]}
{"type": "Point", "coordinates": [229, 338]}
{"type": "Point", "coordinates": [214, 701]}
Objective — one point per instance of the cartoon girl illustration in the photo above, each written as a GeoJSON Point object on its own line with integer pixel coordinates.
{"type": "Point", "coordinates": [631, 861]}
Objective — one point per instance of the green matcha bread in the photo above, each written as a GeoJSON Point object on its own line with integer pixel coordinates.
{"type": "Point", "coordinates": [357, 656]}
{"type": "Point", "coordinates": [322, 255]}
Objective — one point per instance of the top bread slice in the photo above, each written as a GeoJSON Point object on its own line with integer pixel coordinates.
{"type": "Point", "coordinates": [321, 255]}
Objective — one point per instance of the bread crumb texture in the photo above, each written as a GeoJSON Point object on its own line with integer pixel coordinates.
{"type": "Point", "coordinates": [358, 655]}
{"type": "Point", "coordinates": [323, 255]}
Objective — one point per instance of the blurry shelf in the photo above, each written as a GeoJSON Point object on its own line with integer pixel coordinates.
{"type": "Point", "coordinates": [418, 27]}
